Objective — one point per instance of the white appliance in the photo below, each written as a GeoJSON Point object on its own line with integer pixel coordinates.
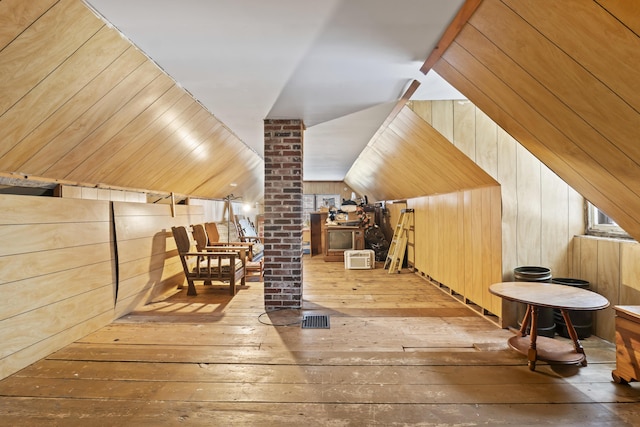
{"type": "Point", "coordinates": [363, 259]}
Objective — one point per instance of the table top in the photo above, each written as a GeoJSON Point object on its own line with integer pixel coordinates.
{"type": "Point", "coordinates": [631, 310]}
{"type": "Point", "coordinates": [545, 294]}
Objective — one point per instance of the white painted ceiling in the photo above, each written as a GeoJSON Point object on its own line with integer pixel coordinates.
{"type": "Point", "coordinates": [339, 65]}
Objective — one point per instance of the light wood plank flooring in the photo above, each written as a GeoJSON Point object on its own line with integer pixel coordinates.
{"type": "Point", "coordinates": [399, 351]}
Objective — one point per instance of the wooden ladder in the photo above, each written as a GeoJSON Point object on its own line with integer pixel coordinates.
{"type": "Point", "coordinates": [398, 246]}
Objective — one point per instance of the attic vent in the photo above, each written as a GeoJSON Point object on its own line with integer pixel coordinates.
{"type": "Point", "coordinates": [314, 321]}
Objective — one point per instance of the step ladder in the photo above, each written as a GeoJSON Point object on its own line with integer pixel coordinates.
{"type": "Point", "coordinates": [398, 246]}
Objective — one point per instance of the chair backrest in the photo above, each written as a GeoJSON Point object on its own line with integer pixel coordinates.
{"type": "Point", "coordinates": [200, 236]}
{"type": "Point", "coordinates": [212, 232]}
{"type": "Point", "coordinates": [246, 229]}
{"type": "Point", "coordinates": [181, 236]}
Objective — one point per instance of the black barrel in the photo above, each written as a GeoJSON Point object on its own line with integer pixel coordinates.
{"type": "Point", "coordinates": [582, 319]}
{"type": "Point", "coordinates": [546, 323]}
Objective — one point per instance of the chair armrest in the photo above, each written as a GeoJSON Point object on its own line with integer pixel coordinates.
{"type": "Point", "coordinates": [240, 251]}
{"type": "Point", "coordinates": [223, 244]}
{"type": "Point", "coordinates": [209, 254]}
{"type": "Point", "coordinates": [250, 239]}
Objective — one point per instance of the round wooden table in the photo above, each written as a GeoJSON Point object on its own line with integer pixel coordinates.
{"type": "Point", "coordinates": [561, 297]}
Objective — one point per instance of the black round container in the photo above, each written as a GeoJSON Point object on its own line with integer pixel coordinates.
{"type": "Point", "coordinates": [546, 323]}
{"type": "Point", "coordinates": [582, 320]}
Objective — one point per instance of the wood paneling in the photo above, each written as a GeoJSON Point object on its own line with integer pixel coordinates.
{"type": "Point", "coordinates": [408, 158]}
{"type": "Point", "coordinates": [464, 124]}
{"type": "Point", "coordinates": [58, 277]}
{"type": "Point", "coordinates": [539, 212]}
{"type": "Point", "coordinates": [458, 243]}
{"type": "Point", "coordinates": [58, 258]}
{"type": "Point", "coordinates": [611, 268]}
{"type": "Point", "coordinates": [507, 155]}
{"type": "Point", "coordinates": [148, 266]}
{"type": "Point", "coordinates": [567, 93]}
{"type": "Point", "coordinates": [328, 187]}
{"type": "Point", "coordinates": [529, 193]}
{"type": "Point", "coordinates": [82, 105]}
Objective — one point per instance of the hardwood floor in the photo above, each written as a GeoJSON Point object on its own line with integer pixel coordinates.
{"type": "Point", "coordinates": [399, 351]}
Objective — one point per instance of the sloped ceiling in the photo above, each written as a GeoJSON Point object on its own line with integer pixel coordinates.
{"type": "Point", "coordinates": [410, 159]}
{"type": "Point", "coordinates": [81, 104]}
{"type": "Point", "coordinates": [563, 79]}
{"type": "Point", "coordinates": [338, 65]}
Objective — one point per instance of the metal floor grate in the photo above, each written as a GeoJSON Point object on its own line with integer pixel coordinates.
{"type": "Point", "coordinates": [315, 321]}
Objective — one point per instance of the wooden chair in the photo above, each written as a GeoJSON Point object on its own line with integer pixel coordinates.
{"type": "Point", "coordinates": [207, 235]}
{"type": "Point", "coordinates": [247, 232]}
{"type": "Point", "coordinates": [255, 261]}
{"type": "Point", "coordinates": [225, 264]}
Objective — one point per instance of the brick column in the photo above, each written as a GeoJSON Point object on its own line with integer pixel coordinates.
{"type": "Point", "coordinates": [283, 142]}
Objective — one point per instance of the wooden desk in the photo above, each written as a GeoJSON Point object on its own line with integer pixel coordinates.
{"type": "Point", "coordinates": [564, 298]}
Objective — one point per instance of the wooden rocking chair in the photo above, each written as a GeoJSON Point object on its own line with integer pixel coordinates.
{"type": "Point", "coordinates": [224, 264]}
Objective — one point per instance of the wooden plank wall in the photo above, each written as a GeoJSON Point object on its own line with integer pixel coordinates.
{"type": "Point", "coordinates": [612, 268]}
{"type": "Point", "coordinates": [58, 278]}
{"type": "Point", "coordinates": [328, 187]}
{"type": "Point", "coordinates": [81, 104]}
{"type": "Point", "coordinates": [212, 210]}
{"type": "Point", "coordinates": [411, 159]}
{"type": "Point", "coordinates": [93, 193]}
{"type": "Point", "coordinates": [148, 265]}
{"type": "Point", "coordinates": [459, 245]}
{"type": "Point", "coordinates": [540, 212]}
{"type": "Point", "coordinates": [569, 94]}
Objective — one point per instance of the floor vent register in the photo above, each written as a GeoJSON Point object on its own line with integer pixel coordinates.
{"type": "Point", "coordinates": [315, 321]}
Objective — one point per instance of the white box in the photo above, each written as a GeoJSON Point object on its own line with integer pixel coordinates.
{"type": "Point", "coordinates": [359, 260]}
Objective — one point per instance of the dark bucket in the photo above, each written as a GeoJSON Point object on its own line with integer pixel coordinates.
{"type": "Point", "coordinates": [582, 320]}
{"type": "Point", "coordinates": [546, 323]}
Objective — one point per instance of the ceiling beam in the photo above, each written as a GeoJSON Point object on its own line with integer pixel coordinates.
{"type": "Point", "coordinates": [449, 35]}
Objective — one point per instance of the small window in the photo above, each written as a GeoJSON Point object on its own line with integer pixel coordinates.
{"type": "Point", "coordinates": [600, 224]}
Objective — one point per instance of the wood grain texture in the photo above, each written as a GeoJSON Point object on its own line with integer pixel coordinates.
{"type": "Point", "coordinates": [58, 276]}
{"type": "Point", "coordinates": [610, 267]}
{"type": "Point", "coordinates": [399, 351]}
{"type": "Point", "coordinates": [627, 12]}
{"type": "Point", "coordinates": [554, 231]}
{"type": "Point", "coordinates": [507, 177]}
{"type": "Point", "coordinates": [148, 262]}
{"type": "Point", "coordinates": [608, 285]}
{"type": "Point", "coordinates": [630, 273]}
{"type": "Point", "coordinates": [464, 125]}
{"type": "Point", "coordinates": [17, 15]}
{"type": "Point", "coordinates": [108, 116]}
{"type": "Point", "coordinates": [458, 239]}
{"type": "Point", "coordinates": [549, 80]}
{"type": "Point", "coordinates": [39, 50]}
{"type": "Point", "coordinates": [81, 104]}
{"type": "Point", "coordinates": [408, 146]}
{"type": "Point", "coordinates": [545, 210]}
